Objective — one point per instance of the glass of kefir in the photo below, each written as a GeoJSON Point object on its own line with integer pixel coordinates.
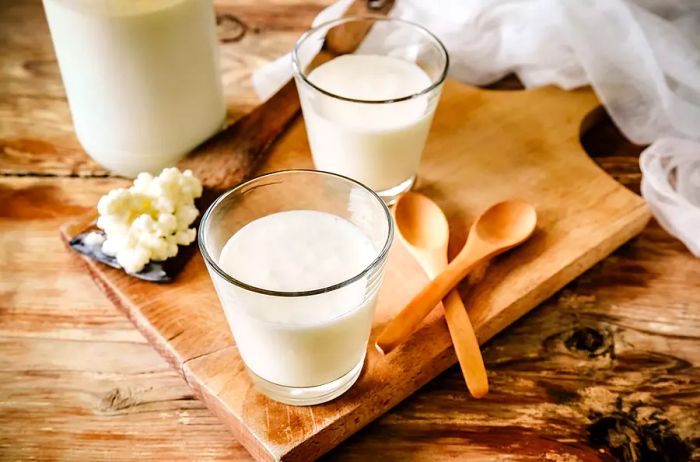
{"type": "Point", "coordinates": [141, 76]}
{"type": "Point", "coordinates": [368, 109]}
{"type": "Point", "coordinates": [297, 259]}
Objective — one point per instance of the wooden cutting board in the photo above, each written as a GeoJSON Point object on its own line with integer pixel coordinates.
{"type": "Point", "coordinates": [484, 146]}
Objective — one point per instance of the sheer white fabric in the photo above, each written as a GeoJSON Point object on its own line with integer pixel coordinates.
{"type": "Point", "coordinates": [642, 57]}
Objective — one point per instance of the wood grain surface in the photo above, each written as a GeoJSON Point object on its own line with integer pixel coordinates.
{"type": "Point", "coordinates": [484, 146]}
{"type": "Point", "coordinates": [606, 369]}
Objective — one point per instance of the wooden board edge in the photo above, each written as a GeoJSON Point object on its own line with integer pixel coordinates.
{"type": "Point", "coordinates": [256, 448]}
{"type": "Point", "coordinates": [350, 423]}
{"type": "Point", "coordinates": [629, 225]}
{"type": "Point", "coordinates": [329, 436]}
{"type": "Point", "coordinates": [162, 346]}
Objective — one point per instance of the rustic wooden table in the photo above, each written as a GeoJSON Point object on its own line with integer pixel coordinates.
{"type": "Point", "coordinates": [608, 368]}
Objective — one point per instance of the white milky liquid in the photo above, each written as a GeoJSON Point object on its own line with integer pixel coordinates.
{"type": "Point", "coordinates": [379, 145]}
{"type": "Point", "coordinates": [141, 76]}
{"type": "Point", "coordinates": [298, 341]}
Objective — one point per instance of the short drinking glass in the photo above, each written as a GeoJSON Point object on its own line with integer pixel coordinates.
{"type": "Point", "coordinates": [302, 345]}
{"type": "Point", "coordinates": [368, 110]}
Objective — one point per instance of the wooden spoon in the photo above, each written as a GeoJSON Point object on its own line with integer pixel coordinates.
{"type": "Point", "coordinates": [423, 228]}
{"type": "Point", "coordinates": [500, 228]}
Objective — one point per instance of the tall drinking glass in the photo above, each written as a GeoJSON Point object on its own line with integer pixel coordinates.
{"type": "Point", "coordinates": [368, 112]}
{"type": "Point", "coordinates": [302, 346]}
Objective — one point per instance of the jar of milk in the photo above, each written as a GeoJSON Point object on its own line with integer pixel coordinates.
{"type": "Point", "coordinates": [142, 78]}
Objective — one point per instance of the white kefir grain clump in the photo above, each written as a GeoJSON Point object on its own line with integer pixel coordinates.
{"type": "Point", "coordinates": [150, 219]}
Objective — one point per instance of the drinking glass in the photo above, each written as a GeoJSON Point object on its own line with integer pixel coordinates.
{"type": "Point", "coordinates": [299, 361]}
{"type": "Point", "coordinates": [376, 141]}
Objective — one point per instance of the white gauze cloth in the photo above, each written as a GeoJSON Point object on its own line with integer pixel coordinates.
{"type": "Point", "coordinates": [642, 57]}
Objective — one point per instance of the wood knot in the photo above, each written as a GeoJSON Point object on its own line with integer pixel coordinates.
{"type": "Point", "coordinates": [590, 342]}
{"type": "Point", "coordinates": [42, 67]}
{"type": "Point", "coordinates": [639, 434]}
{"type": "Point", "coordinates": [118, 399]}
{"type": "Point", "coordinates": [229, 28]}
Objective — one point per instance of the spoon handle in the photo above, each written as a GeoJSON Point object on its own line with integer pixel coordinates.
{"type": "Point", "coordinates": [422, 304]}
{"type": "Point", "coordinates": [466, 345]}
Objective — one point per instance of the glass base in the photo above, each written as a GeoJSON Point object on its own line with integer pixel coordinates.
{"type": "Point", "coordinates": [389, 196]}
{"type": "Point", "coordinates": [307, 396]}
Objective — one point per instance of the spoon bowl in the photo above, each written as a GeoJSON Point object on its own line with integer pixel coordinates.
{"type": "Point", "coordinates": [420, 222]}
{"type": "Point", "coordinates": [506, 224]}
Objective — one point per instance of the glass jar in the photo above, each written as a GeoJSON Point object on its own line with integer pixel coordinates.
{"type": "Point", "coordinates": [142, 78]}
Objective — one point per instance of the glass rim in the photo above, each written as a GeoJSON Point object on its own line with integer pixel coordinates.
{"type": "Point", "coordinates": [296, 65]}
{"type": "Point", "coordinates": [305, 293]}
